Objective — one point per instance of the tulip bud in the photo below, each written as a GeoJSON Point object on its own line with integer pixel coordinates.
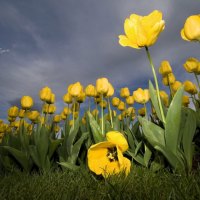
{"type": "Point", "coordinates": [102, 86]}
{"type": "Point", "coordinates": [45, 94]}
{"type": "Point", "coordinates": [52, 109]}
{"type": "Point", "coordinates": [130, 100]}
{"type": "Point", "coordinates": [76, 89]}
{"type": "Point", "coordinates": [81, 98]}
{"type": "Point", "coordinates": [176, 85]}
{"type": "Point", "coordinates": [115, 101]}
{"type": "Point", "coordinates": [191, 65]}
{"type": "Point", "coordinates": [185, 101]}
{"type": "Point", "coordinates": [191, 29]}
{"type": "Point", "coordinates": [52, 99]}
{"type": "Point", "coordinates": [26, 102]}
{"type": "Point", "coordinates": [67, 98]}
{"type": "Point", "coordinates": [168, 79]}
{"type": "Point", "coordinates": [67, 111]}
{"type": "Point", "coordinates": [90, 90]}
{"type": "Point", "coordinates": [111, 90]}
{"type": "Point", "coordinates": [141, 96]}
{"type": "Point", "coordinates": [103, 104]}
{"type": "Point", "coordinates": [142, 111]}
{"type": "Point", "coordinates": [190, 87]}
{"type": "Point", "coordinates": [164, 97]}
{"type": "Point", "coordinates": [165, 68]}
{"type": "Point", "coordinates": [13, 111]}
{"type": "Point", "coordinates": [121, 106]}
{"type": "Point", "coordinates": [56, 118]}
{"type": "Point", "coordinates": [124, 92]}
{"type": "Point", "coordinates": [33, 115]}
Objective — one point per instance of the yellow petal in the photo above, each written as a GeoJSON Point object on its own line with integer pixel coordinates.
{"type": "Point", "coordinates": [118, 139]}
{"type": "Point", "coordinates": [97, 157]}
{"type": "Point", "coordinates": [125, 42]}
{"type": "Point", "coordinates": [183, 35]}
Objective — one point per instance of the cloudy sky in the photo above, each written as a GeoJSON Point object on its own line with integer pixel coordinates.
{"type": "Point", "coordinates": [57, 42]}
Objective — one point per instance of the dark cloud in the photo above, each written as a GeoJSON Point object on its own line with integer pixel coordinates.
{"type": "Point", "coordinates": [55, 43]}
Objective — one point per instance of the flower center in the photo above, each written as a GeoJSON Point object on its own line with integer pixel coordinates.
{"type": "Point", "coordinates": [112, 154]}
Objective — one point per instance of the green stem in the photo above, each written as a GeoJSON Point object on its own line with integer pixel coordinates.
{"type": "Point", "coordinates": [73, 111]}
{"type": "Point", "coordinates": [89, 104]}
{"type": "Point", "coordinates": [156, 83]}
{"type": "Point", "coordinates": [102, 125]}
{"type": "Point", "coordinates": [110, 112]}
{"type": "Point", "coordinates": [197, 79]}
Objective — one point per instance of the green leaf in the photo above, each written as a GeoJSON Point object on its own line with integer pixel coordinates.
{"type": "Point", "coordinates": [130, 139]}
{"type": "Point", "coordinates": [77, 146]}
{"type": "Point", "coordinates": [34, 155]}
{"type": "Point", "coordinates": [53, 146]}
{"type": "Point", "coordinates": [188, 132]}
{"type": "Point", "coordinates": [72, 135]}
{"type": "Point", "coordinates": [147, 156]}
{"type": "Point", "coordinates": [43, 145]}
{"type": "Point", "coordinates": [154, 100]}
{"type": "Point", "coordinates": [20, 156]}
{"type": "Point", "coordinates": [172, 158]}
{"type": "Point", "coordinates": [69, 165]}
{"type": "Point", "coordinates": [137, 158]}
{"type": "Point", "coordinates": [138, 148]}
{"type": "Point", "coordinates": [116, 124]}
{"type": "Point", "coordinates": [96, 130]}
{"type": "Point", "coordinates": [173, 121]}
{"type": "Point", "coordinates": [153, 133]}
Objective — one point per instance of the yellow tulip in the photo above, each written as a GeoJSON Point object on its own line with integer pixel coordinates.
{"type": "Point", "coordinates": [67, 98]}
{"type": "Point", "coordinates": [111, 90]}
{"type": "Point", "coordinates": [164, 97]}
{"type": "Point", "coordinates": [176, 85]}
{"type": "Point", "coordinates": [33, 115]}
{"type": "Point", "coordinates": [90, 91]}
{"type": "Point", "coordinates": [185, 101]}
{"type": "Point", "coordinates": [63, 116]}
{"type": "Point", "coordinates": [45, 94]}
{"type": "Point", "coordinates": [121, 106]}
{"type": "Point", "coordinates": [103, 104]}
{"type": "Point", "coordinates": [168, 79]}
{"type": "Point", "coordinates": [102, 86]}
{"type": "Point", "coordinates": [76, 89]}
{"type": "Point", "coordinates": [13, 111]}
{"type": "Point", "coordinates": [115, 101]}
{"type": "Point", "coordinates": [56, 118]}
{"type": "Point", "coordinates": [141, 96]}
{"type": "Point", "coordinates": [190, 87]}
{"type": "Point", "coordinates": [130, 100]}
{"type": "Point", "coordinates": [142, 111]}
{"type": "Point", "coordinates": [141, 31]}
{"type": "Point", "coordinates": [21, 113]}
{"type": "Point", "coordinates": [52, 109]}
{"type": "Point", "coordinates": [191, 29]}
{"type": "Point", "coordinates": [95, 112]}
{"type": "Point", "coordinates": [192, 65]}
{"type": "Point", "coordinates": [81, 97]}
{"type": "Point", "coordinates": [26, 102]}
{"type": "Point", "coordinates": [52, 99]}
{"type": "Point", "coordinates": [106, 158]}
{"type": "Point", "coordinates": [67, 111]}
{"type": "Point", "coordinates": [165, 68]}
{"type": "Point", "coordinates": [124, 92]}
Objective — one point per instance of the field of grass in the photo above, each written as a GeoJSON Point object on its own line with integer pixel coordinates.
{"type": "Point", "coordinates": [141, 183]}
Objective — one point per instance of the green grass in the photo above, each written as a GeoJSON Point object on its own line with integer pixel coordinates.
{"type": "Point", "coordinates": [140, 184]}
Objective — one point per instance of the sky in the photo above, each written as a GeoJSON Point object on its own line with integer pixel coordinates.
{"type": "Point", "coordinates": [58, 42]}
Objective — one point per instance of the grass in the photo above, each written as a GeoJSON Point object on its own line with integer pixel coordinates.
{"type": "Point", "coordinates": [140, 184]}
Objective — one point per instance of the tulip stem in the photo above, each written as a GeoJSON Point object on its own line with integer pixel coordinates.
{"type": "Point", "coordinates": [110, 112]}
{"type": "Point", "coordinates": [197, 79]}
{"type": "Point", "coordinates": [102, 125]}
{"type": "Point", "coordinates": [156, 83]}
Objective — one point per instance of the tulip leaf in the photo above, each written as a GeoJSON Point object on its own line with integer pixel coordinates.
{"type": "Point", "coordinates": [172, 158]}
{"type": "Point", "coordinates": [96, 130]}
{"type": "Point", "coordinates": [69, 165]}
{"type": "Point", "coordinates": [138, 158]}
{"type": "Point", "coordinates": [43, 145]}
{"type": "Point", "coordinates": [77, 146]}
{"type": "Point", "coordinates": [34, 155]}
{"type": "Point", "coordinates": [116, 124]}
{"type": "Point", "coordinates": [147, 156]}
{"type": "Point", "coordinates": [188, 132]}
{"type": "Point", "coordinates": [138, 148]}
{"type": "Point", "coordinates": [153, 133]}
{"type": "Point", "coordinates": [130, 139]}
{"type": "Point", "coordinates": [72, 135]}
{"type": "Point", "coordinates": [173, 121]}
{"type": "Point", "coordinates": [154, 100]}
{"type": "Point", "coordinates": [53, 146]}
{"type": "Point", "coordinates": [20, 156]}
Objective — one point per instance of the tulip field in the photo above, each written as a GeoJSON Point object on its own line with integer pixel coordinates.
{"type": "Point", "coordinates": [115, 146]}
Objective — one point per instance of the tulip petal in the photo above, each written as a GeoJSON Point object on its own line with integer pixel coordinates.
{"type": "Point", "coordinates": [124, 41]}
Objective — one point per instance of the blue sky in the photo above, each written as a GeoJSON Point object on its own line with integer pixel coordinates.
{"type": "Point", "coordinates": [57, 42]}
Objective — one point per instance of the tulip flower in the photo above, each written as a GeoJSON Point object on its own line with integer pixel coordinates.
{"type": "Point", "coordinates": [124, 92]}
{"type": "Point", "coordinates": [141, 96]}
{"type": "Point", "coordinates": [67, 98]}
{"type": "Point", "coordinates": [190, 87]}
{"type": "Point", "coordinates": [169, 79]}
{"type": "Point", "coordinates": [130, 100]}
{"type": "Point", "coordinates": [26, 102]}
{"type": "Point", "coordinates": [13, 111]}
{"type": "Point", "coordinates": [102, 86]}
{"type": "Point", "coordinates": [185, 101]}
{"type": "Point", "coordinates": [165, 68]}
{"type": "Point", "coordinates": [45, 94]}
{"type": "Point", "coordinates": [76, 89]}
{"type": "Point", "coordinates": [191, 29]}
{"type": "Point", "coordinates": [90, 90]}
{"type": "Point", "coordinates": [106, 158]}
{"type": "Point", "coordinates": [115, 101]}
{"type": "Point", "coordinates": [192, 65]}
{"type": "Point", "coordinates": [164, 97]}
{"type": "Point", "coordinates": [141, 31]}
